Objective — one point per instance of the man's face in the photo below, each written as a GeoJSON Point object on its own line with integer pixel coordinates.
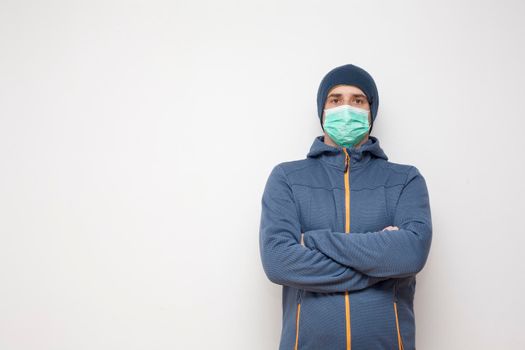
{"type": "Point", "coordinates": [349, 95]}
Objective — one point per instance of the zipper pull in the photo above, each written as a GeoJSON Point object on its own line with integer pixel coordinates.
{"type": "Point", "coordinates": [346, 162]}
{"type": "Point", "coordinates": [395, 290]}
{"type": "Point", "coordinates": [299, 298]}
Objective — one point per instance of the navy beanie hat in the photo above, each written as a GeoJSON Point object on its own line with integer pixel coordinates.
{"type": "Point", "coordinates": [348, 74]}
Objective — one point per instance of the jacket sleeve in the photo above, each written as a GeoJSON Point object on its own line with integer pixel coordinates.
{"type": "Point", "coordinates": [285, 260]}
{"type": "Point", "coordinates": [396, 253]}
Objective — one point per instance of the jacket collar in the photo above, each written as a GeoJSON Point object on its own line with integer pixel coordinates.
{"type": "Point", "coordinates": [334, 156]}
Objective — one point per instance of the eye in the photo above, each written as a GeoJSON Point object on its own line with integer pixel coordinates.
{"type": "Point", "coordinates": [360, 101]}
{"type": "Point", "coordinates": [333, 100]}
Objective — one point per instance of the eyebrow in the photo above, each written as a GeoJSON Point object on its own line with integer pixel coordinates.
{"type": "Point", "coordinates": [340, 95]}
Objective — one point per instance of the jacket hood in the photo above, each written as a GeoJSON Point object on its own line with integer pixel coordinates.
{"type": "Point", "coordinates": [335, 156]}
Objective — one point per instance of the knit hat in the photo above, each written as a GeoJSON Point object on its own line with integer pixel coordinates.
{"type": "Point", "coordinates": [348, 74]}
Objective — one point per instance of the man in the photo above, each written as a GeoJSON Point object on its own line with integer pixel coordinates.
{"type": "Point", "coordinates": [345, 231]}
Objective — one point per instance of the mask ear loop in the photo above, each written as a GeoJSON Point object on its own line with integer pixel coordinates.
{"type": "Point", "coordinates": [370, 101]}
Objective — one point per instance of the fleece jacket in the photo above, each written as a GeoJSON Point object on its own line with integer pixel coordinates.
{"type": "Point", "coordinates": [350, 284]}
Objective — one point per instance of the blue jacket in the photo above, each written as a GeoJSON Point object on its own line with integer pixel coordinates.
{"type": "Point", "coordinates": [351, 285]}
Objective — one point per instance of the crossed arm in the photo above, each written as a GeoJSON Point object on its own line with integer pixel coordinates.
{"type": "Point", "coordinates": [326, 261]}
{"type": "Point", "coordinates": [390, 228]}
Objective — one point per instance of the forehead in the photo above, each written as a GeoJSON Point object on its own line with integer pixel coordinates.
{"type": "Point", "coordinates": [346, 90]}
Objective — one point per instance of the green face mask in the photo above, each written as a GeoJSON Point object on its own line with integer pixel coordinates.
{"type": "Point", "coordinates": [346, 125]}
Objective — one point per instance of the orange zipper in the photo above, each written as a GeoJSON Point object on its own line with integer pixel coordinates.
{"type": "Point", "coordinates": [297, 315]}
{"type": "Point", "coordinates": [347, 230]}
{"type": "Point", "coordinates": [399, 339]}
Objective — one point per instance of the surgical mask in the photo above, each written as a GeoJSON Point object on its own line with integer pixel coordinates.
{"type": "Point", "coordinates": [346, 125]}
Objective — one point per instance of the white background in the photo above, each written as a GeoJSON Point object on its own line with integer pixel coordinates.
{"type": "Point", "coordinates": [136, 139]}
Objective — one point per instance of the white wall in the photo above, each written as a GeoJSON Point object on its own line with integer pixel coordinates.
{"type": "Point", "coordinates": [136, 138]}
